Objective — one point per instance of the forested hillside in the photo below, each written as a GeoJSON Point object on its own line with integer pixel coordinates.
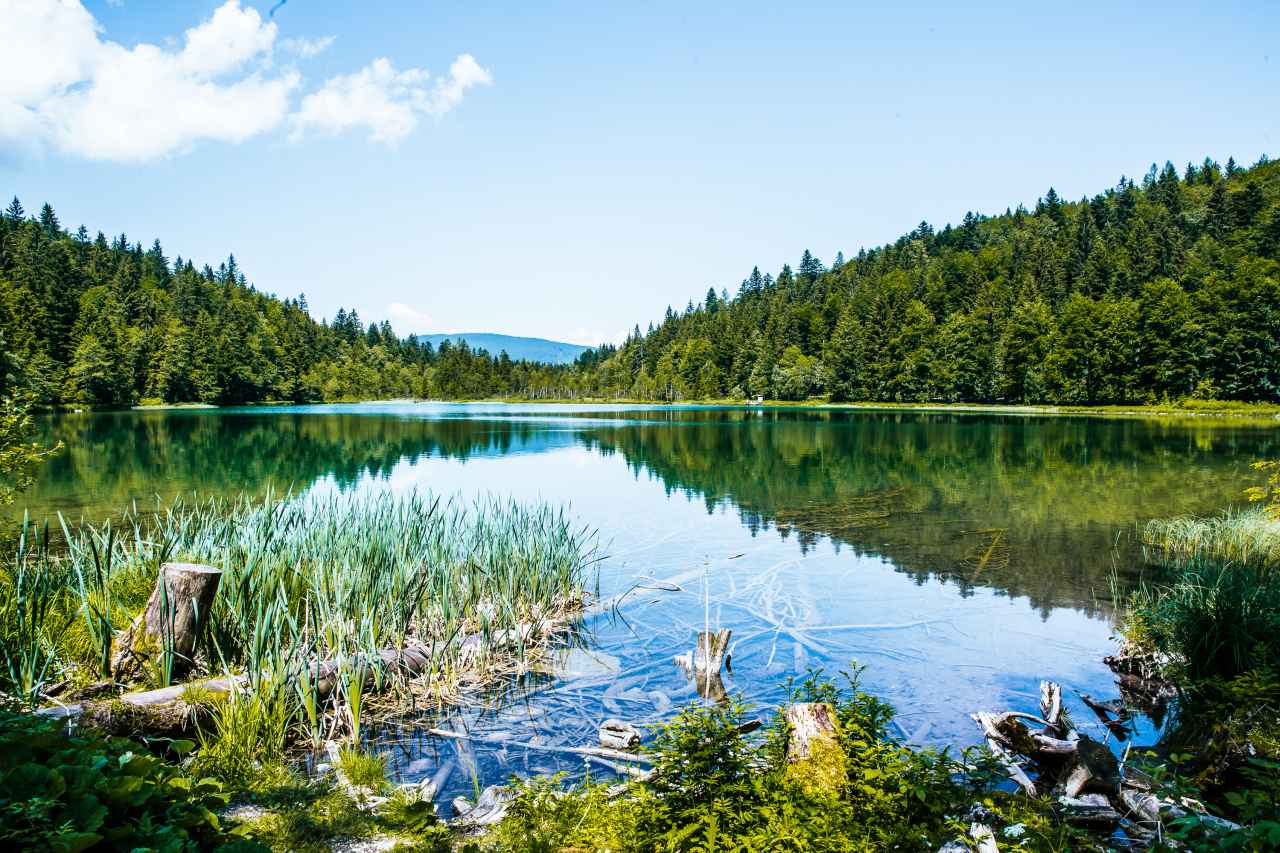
{"type": "Point", "coordinates": [1166, 288]}
{"type": "Point", "coordinates": [87, 320]}
{"type": "Point", "coordinates": [1163, 289]}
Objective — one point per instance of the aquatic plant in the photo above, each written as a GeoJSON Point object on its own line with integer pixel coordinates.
{"type": "Point", "coordinates": [1249, 537]}
{"type": "Point", "coordinates": [307, 580]}
{"type": "Point", "coordinates": [30, 624]}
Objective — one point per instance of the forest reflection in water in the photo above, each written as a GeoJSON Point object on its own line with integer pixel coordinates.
{"type": "Point", "coordinates": [909, 542]}
{"type": "Point", "coordinates": [1038, 506]}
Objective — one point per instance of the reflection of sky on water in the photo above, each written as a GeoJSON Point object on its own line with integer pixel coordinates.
{"type": "Point", "coordinates": [936, 653]}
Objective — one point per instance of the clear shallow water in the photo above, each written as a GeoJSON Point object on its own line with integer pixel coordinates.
{"type": "Point", "coordinates": [960, 558]}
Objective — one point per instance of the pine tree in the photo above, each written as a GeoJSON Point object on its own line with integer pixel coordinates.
{"type": "Point", "coordinates": [1217, 211]}
{"type": "Point", "coordinates": [49, 222]}
{"type": "Point", "coordinates": [14, 213]}
{"type": "Point", "coordinates": [810, 267]}
{"type": "Point", "coordinates": [1051, 206]}
{"type": "Point", "coordinates": [1247, 204]}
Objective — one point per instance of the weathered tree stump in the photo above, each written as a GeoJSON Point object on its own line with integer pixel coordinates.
{"type": "Point", "coordinates": [815, 758]}
{"type": "Point", "coordinates": [710, 653]}
{"type": "Point", "coordinates": [169, 629]}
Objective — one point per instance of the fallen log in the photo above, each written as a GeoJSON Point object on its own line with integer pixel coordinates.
{"type": "Point", "coordinates": [1141, 806]}
{"type": "Point", "coordinates": [165, 712]}
{"type": "Point", "coordinates": [620, 769]}
{"type": "Point", "coordinates": [544, 747]}
{"type": "Point", "coordinates": [168, 711]}
{"type": "Point", "coordinates": [1090, 809]}
{"type": "Point", "coordinates": [169, 628]}
{"type": "Point", "coordinates": [1111, 714]}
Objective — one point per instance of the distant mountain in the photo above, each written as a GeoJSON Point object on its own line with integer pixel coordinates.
{"type": "Point", "coordinates": [529, 349]}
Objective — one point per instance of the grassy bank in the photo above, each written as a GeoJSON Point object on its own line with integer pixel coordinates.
{"type": "Point", "coordinates": [340, 579]}
{"type": "Point", "coordinates": [1208, 626]}
{"type": "Point", "coordinates": [308, 586]}
{"type": "Point", "coordinates": [331, 579]}
{"type": "Point", "coordinates": [1261, 412]}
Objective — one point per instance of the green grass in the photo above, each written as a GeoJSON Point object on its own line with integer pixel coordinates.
{"type": "Point", "coordinates": [1251, 537]}
{"type": "Point", "coordinates": [1217, 610]}
{"type": "Point", "coordinates": [1214, 619]}
{"type": "Point", "coordinates": [304, 580]}
{"type": "Point", "coordinates": [363, 769]}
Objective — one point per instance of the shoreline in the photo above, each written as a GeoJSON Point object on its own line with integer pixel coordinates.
{"type": "Point", "coordinates": [1262, 412]}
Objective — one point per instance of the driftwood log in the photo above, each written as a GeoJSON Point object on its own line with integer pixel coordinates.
{"type": "Point", "coordinates": [617, 734]}
{"type": "Point", "coordinates": [170, 627]}
{"type": "Point", "coordinates": [600, 752]}
{"type": "Point", "coordinates": [174, 710]}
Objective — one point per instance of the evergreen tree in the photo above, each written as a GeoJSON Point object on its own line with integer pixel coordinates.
{"type": "Point", "coordinates": [49, 222]}
{"type": "Point", "coordinates": [810, 267]}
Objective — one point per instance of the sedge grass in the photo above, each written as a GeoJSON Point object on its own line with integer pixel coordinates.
{"type": "Point", "coordinates": [1250, 537]}
{"type": "Point", "coordinates": [306, 580]}
{"type": "Point", "coordinates": [1217, 612]}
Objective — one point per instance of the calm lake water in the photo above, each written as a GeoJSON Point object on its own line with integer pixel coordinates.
{"type": "Point", "coordinates": [960, 558]}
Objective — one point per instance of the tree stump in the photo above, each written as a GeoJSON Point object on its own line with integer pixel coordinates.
{"type": "Point", "coordinates": [710, 653]}
{"type": "Point", "coordinates": [169, 628]}
{"type": "Point", "coordinates": [815, 758]}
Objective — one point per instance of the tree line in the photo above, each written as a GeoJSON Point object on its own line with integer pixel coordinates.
{"type": "Point", "coordinates": [1166, 288]}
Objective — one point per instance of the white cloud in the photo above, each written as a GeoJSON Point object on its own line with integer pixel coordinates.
{"type": "Point", "coordinates": [305, 48]}
{"type": "Point", "coordinates": [386, 101]}
{"type": "Point", "coordinates": [63, 85]}
{"type": "Point", "coordinates": [405, 319]}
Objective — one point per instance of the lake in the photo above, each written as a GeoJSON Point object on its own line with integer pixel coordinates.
{"type": "Point", "coordinates": [960, 558]}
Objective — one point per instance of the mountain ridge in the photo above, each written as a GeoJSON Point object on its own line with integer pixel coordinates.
{"type": "Point", "coordinates": [517, 347]}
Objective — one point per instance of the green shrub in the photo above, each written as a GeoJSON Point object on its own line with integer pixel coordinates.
{"type": "Point", "coordinates": [83, 792]}
{"type": "Point", "coordinates": [715, 789]}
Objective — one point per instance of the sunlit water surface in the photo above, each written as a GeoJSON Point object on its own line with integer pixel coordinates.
{"type": "Point", "coordinates": [959, 558]}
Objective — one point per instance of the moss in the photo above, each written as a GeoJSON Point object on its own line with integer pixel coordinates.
{"type": "Point", "coordinates": [825, 770]}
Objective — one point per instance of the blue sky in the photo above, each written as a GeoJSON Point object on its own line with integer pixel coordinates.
{"type": "Point", "coordinates": [591, 163]}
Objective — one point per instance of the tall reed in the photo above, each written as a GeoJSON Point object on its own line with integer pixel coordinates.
{"type": "Point", "coordinates": [1217, 610]}
{"type": "Point", "coordinates": [307, 579]}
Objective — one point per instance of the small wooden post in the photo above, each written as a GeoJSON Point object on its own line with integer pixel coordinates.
{"type": "Point", "coordinates": [172, 622]}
